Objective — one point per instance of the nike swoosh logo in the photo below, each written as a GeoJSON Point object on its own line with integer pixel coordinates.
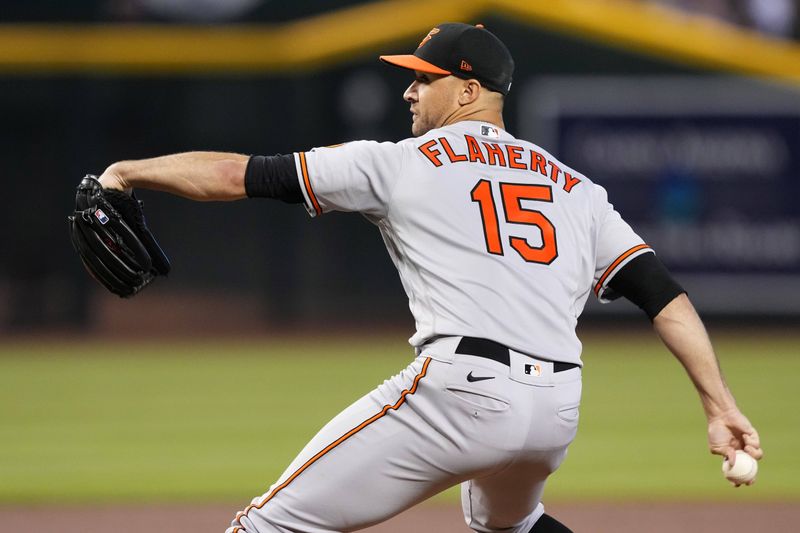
{"type": "Point", "coordinates": [472, 378]}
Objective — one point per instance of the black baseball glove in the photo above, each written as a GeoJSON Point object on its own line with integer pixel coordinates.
{"type": "Point", "coordinates": [110, 235]}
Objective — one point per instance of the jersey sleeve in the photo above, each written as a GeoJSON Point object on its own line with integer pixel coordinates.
{"type": "Point", "coordinates": [617, 245]}
{"type": "Point", "coordinates": [356, 176]}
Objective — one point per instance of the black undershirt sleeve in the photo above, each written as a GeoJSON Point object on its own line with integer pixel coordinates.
{"type": "Point", "coordinates": [646, 282]}
{"type": "Point", "coordinates": [273, 177]}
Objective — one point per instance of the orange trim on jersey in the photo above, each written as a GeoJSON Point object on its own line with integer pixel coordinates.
{"type": "Point", "coordinates": [307, 182]}
{"type": "Point", "coordinates": [337, 442]}
{"type": "Point", "coordinates": [615, 264]}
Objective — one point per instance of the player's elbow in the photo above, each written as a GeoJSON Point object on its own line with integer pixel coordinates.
{"type": "Point", "coordinates": [678, 306]}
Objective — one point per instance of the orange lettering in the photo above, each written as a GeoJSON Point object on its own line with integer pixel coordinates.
{"type": "Point", "coordinates": [538, 163]}
{"type": "Point", "coordinates": [570, 181]}
{"type": "Point", "coordinates": [554, 171]}
{"type": "Point", "coordinates": [474, 150]}
{"type": "Point", "coordinates": [495, 154]}
{"type": "Point", "coordinates": [514, 155]}
{"type": "Point", "coordinates": [515, 213]}
{"type": "Point", "coordinates": [431, 153]}
{"type": "Point", "coordinates": [454, 158]}
{"type": "Point", "coordinates": [482, 193]}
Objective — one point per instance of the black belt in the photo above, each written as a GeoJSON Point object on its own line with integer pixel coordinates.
{"type": "Point", "coordinates": [497, 352]}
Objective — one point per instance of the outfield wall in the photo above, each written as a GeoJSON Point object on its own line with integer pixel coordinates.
{"type": "Point", "coordinates": [273, 263]}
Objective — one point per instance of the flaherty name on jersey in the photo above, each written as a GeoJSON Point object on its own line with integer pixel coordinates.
{"type": "Point", "coordinates": [439, 151]}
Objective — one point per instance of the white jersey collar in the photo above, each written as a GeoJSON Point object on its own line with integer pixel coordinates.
{"type": "Point", "coordinates": [479, 128]}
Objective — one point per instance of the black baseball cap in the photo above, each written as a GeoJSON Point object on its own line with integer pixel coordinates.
{"type": "Point", "coordinates": [464, 51]}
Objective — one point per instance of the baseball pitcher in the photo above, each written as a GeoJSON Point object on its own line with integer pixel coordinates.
{"type": "Point", "coordinates": [498, 245]}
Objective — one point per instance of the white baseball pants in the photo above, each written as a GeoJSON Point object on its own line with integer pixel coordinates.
{"type": "Point", "coordinates": [422, 431]}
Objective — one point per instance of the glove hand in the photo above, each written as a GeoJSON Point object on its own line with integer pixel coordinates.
{"type": "Point", "coordinates": [111, 180]}
{"type": "Point", "coordinates": [113, 241]}
{"type": "Point", "coordinates": [731, 431]}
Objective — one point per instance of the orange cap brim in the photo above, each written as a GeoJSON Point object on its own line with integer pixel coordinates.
{"type": "Point", "coordinates": [413, 62]}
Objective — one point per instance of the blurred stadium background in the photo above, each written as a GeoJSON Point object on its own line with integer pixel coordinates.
{"type": "Point", "coordinates": [688, 112]}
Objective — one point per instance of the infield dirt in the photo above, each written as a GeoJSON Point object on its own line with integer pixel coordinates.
{"type": "Point", "coordinates": [431, 518]}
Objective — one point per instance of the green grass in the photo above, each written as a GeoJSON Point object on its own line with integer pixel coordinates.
{"type": "Point", "coordinates": [643, 435]}
{"type": "Point", "coordinates": [219, 421]}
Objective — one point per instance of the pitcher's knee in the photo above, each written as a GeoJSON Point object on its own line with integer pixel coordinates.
{"type": "Point", "coordinates": [280, 515]}
{"type": "Point", "coordinates": [254, 520]}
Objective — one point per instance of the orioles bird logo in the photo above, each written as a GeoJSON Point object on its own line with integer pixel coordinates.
{"type": "Point", "coordinates": [427, 38]}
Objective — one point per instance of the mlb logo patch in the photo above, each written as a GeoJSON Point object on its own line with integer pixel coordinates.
{"type": "Point", "coordinates": [533, 370]}
{"type": "Point", "coordinates": [102, 217]}
{"type": "Point", "coordinates": [489, 131]}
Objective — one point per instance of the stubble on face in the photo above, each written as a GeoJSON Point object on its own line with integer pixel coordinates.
{"type": "Point", "coordinates": [430, 98]}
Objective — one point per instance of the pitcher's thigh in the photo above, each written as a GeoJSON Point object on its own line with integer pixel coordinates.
{"type": "Point", "coordinates": [510, 500]}
{"type": "Point", "coordinates": [363, 467]}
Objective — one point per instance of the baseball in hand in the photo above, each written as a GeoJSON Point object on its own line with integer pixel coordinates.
{"type": "Point", "coordinates": [743, 471]}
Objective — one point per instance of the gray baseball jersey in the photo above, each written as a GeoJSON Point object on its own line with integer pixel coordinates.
{"type": "Point", "coordinates": [493, 237]}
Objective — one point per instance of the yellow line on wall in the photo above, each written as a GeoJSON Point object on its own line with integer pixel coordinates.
{"type": "Point", "coordinates": [299, 45]}
{"type": "Point", "coordinates": [340, 35]}
{"type": "Point", "coordinates": [665, 32]}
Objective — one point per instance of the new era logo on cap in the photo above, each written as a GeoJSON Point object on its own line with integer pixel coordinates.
{"type": "Point", "coordinates": [464, 51]}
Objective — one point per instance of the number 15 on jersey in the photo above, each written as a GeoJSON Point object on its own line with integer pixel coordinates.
{"type": "Point", "coordinates": [511, 195]}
